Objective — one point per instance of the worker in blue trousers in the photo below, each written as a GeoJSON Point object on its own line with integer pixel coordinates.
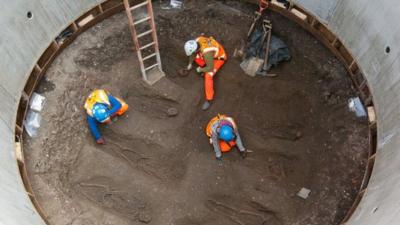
{"type": "Point", "coordinates": [100, 107]}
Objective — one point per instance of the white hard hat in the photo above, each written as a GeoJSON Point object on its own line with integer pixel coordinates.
{"type": "Point", "coordinates": [190, 47]}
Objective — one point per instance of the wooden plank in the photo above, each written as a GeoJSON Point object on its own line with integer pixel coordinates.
{"type": "Point", "coordinates": [100, 8]}
{"type": "Point", "coordinates": [74, 26]}
{"type": "Point", "coordinates": [85, 20]}
{"type": "Point", "coordinates": [299, 14]}
{"type": "Point", "coordinates": [371, 114]}
{"type": "Point", "coordinates": [88, 17]}
{"type": "Point", "coordinates": [18, 152]}
{"type": "Point", "coordinates": [372, 157]}
{"type": "Point", "coordinates": [18, 130]}
{"type": "Point", "coordinates": [353, 68]}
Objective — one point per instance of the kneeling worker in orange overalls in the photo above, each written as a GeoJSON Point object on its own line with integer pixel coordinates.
{"type": "Point", "coordinates": [223, 133]}
{"type": "Point", "coordinates": [209, 55]}
{"type": "Point", "coordinates": [100, 107]}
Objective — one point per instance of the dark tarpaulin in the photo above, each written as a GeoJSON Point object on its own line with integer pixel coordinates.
{"type": "Point", "coordinates": [278, 50]}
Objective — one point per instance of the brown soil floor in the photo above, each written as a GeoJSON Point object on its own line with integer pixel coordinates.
{"type": "Point", "coordinates": [161, 170]}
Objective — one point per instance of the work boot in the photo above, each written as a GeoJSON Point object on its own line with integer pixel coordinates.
{"type": "Point", "coordinates": [206, 105]}
{"type": "Point", "coordinates": [100, 141]}
{"type": "Point", "coordinates": [219, 161]}
{"type": "Point", "coordinates": [243, 154]}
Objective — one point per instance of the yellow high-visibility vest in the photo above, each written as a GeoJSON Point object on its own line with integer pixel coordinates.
{"type": "Point", "coordinates": [97, 96]}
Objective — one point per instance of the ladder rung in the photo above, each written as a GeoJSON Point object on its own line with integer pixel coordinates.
{"type": "Point", "coordinates": [149, 56]}
{"type": "Point", "coordinates": [142, 20]}
{"type": "Point", "coordinates": [148, 45]}
{"type": "Point", "coordinates": [139, 5]}
{"type": "Point", "coordinates": [144, 33]}
{"type": "Point", "coordinates": [151, 67]}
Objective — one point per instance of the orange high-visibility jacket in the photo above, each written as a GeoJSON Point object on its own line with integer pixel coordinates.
{"type": "Point", "coordinates": [208, 44]}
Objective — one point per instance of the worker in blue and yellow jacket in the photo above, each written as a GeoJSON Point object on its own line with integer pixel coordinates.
{"type": "Point", "coordinates": [100, 107]}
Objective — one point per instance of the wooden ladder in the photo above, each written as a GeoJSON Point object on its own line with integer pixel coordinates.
{"type": "Point", "coordinates": [146, 43]}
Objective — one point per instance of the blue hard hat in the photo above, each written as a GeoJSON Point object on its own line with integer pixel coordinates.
{"type": "Point", "coordinates": [100, 112]}
{"type": "Point", "coordinates": [226, 133]}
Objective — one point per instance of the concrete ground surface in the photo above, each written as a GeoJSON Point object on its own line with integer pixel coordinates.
{"type": "Point", "coordinates": [157, 169]}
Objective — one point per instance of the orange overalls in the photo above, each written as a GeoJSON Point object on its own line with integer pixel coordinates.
{"type": "Point", "coordinates": [210, 45]}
